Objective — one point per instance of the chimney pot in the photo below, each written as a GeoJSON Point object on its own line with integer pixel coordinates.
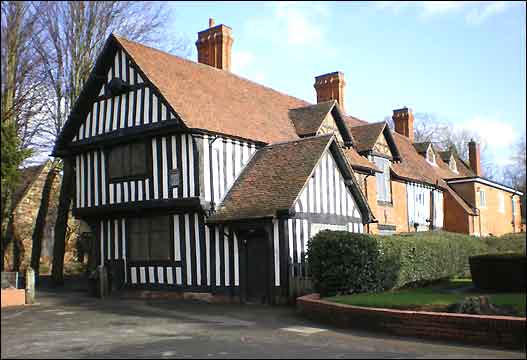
{"type": "Point", "coordinates": [403, 120]}
{"type": "Point", "coordinates": [214, 46]}
{"type": "Point", "coordinates": [330, 87]}
{"type": "Point", "coordinates": [474, 157]}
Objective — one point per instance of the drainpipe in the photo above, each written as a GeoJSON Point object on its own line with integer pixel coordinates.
{"type": "Point", "coordinates": [512, 208]}
{"type": "Point", "coordinates": [479, 220]}
{"type": "Point", "coordinates": [366, 193]}
{"type": "Point", "coordinates": [212, 203]}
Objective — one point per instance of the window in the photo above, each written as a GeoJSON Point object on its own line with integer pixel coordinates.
{"type": "Point", "coordinates": [452, 164]}
{"type": "Point", "coordinates": [149, 239]}
{"type": "Point", "coordinates": [501, 202]}
{"type": "Point", "coordinates": [129, 160]}
{"type": "Point", "coordinates": [513, 207]}
{"type": "Point", "coordinates": [383, 179]}
{"type": "Point", "coordinates": [174, 178]}
{"type": "Point", "coordinates": [431, 156]}
{"type": "Point", "coordinates": [482, 199]}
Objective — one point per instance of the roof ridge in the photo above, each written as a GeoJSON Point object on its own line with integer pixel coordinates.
{"type": "Point", "coordinates": [307, 138]}
{"type": "Point", "coordinates": [369, 124]}
{"type": "Point", "coordinates": [205, 66]}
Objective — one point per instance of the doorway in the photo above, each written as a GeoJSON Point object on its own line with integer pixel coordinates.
{"type": "Point", "coordinates": [256, 267]}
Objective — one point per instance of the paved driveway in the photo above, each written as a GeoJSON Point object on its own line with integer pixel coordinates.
{"type": "Point", "coordinates": [70, 324]}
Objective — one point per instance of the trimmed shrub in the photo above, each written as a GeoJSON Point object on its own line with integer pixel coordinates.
{"type": "Point", "coordinates": [499, 272]}
{"type": "Point", "coordinates": [513, 242]}
{"type": "Point", "coordinates": [343, 262]}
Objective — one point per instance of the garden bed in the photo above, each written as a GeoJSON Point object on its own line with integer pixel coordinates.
{"type": "Point", "coordinates": [435, 298]}
{"type": "Point", "coordinates": [501, 331]}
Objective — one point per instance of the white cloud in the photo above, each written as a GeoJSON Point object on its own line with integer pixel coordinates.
{"type": "Point", "coordinates": [301, 21]}
{"type": "Point", "coordinates": [479, 15]}
{"type": "Point", "coordinates": [241, 59]}
{"type": "Point", "coordinates": [294, 23]}
{"type": "Point", "coordinates": [475, 12]}
{"type": "Point", "coordinates": [495, 133]}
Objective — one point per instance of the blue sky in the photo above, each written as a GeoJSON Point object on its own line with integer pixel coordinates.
{"type": "Point", "coordinates": [463, 62]}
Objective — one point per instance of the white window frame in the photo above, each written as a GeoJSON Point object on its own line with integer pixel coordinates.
{"type": "Point", "coordinates": [431, 156]}
{"type": "Point", "coordinates": [452, 165]}
{"type": "Point", "coordinates": [501, 202]}
{"type": "Point", "coordinates": [383, 178]}
{"type": "Point", "coordinates": [482, 199]}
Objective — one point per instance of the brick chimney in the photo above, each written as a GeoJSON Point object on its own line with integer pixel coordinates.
{"type": "Point", "coordinates": [473, 156]}
{"type": "Point", "coordinates": [330, 87]}
{"type": "Point", "coordinates": [403, 120]}
{"type": "Point", "coordinates": [214, 46]}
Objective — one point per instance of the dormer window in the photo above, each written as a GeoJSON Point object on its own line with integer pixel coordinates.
{"type": "Point", "coordinates": [452, 164]}
{"type": "Point", "coordinates": [431, 156]}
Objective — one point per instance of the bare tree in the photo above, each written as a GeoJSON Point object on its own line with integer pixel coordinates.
{"type": "Point", "coordinates": [445, 136]}
{"type": "Point", "coordinates": [20, 99]}
{"type": "Point", "coordinates": [74, 34]}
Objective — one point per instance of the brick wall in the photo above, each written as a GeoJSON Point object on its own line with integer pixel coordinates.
{"type": "Point", "coordinates": [25, 216]}
{"type": "Point", "coordinates": [391, 214]}
{"type": "Point", "coordinates": [456, 218]}
{"type": "Point", "coordinates": [493, 221]}
{"type": "Point", "coordinates": [500, 331]}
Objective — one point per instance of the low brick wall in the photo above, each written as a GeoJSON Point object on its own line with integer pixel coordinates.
{"type": "Point", "coordinates": [501, 331]}
{"type": "Point", "coordinates": [13, 297]}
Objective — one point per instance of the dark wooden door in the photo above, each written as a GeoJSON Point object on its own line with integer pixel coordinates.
{"type": "Point", "coordinates": [257, 267]}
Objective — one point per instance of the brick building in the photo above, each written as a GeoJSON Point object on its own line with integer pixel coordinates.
{"type": "Point", "coordinates": [26, 203]}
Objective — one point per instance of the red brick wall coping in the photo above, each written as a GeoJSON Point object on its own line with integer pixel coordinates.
{"type": "Point", "coordinates": [501, 331]}
{"type": "Point", "coordinates": [13, 297]}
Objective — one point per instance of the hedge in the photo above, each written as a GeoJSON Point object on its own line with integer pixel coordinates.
{"type": "Point", "coordinates": [511, 242]}
{"type": "Point", "coordinates": [499, 272]}
{"type": "Point", "coordinates": [344, 262]}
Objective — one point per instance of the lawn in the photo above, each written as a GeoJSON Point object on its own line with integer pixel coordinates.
{"type": "Point", "coordinates": [431, 298]}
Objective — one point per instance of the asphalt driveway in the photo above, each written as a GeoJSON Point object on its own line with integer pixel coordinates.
{"type": "Point", "coordinates": [70, 324]}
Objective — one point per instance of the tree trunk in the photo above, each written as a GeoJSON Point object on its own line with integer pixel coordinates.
{"type": "Point", "coordinates": [61, 224]}
{"type": "Point", "coordinates": [7, 240]}
{"type": "Point", "coordinates": [40, 223]}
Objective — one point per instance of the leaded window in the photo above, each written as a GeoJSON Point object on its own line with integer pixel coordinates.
{"type": "Point", "coordinates": [149, 239]}
{"type": "Point", "coordinates": [128, 161]}
{"type": "Point", "coordinates": [383, 179]}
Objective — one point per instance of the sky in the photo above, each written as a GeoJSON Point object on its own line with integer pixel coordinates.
{"type": "Point", "coordinates": [462, 62]}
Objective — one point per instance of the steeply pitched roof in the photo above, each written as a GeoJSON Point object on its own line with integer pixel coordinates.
{"type": "Point", "coordinates": [412, 165]}
{"type": "Point", "coordinates": [358, 162]}
{"type": "Point", "coordinates": [366, 135]}
{"type": "Point", "coordinates": [28, 176]}
{"type": "Point", "coordinates": [422, 147]}
{"type": "Point", "coordinates": [216, 100]}
{"type": "Point", "coordinates": [274, 178]}
{"type": "Point", "coordinates": [307, 119]}
{"type": "Point", "coordinates": [445, 155]}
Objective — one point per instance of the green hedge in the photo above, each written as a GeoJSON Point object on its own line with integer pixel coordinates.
{"type": "Point", "coordinates": [507, 243]}
{"type": "Point", "coordinates": [343, 262]}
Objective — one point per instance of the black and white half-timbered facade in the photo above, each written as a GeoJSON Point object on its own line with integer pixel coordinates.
{"type": "Point", "coordinates": [195, 180]}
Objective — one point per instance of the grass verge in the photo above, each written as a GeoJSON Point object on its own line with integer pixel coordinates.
{"type": "Point", "coordinates": [435, 297]}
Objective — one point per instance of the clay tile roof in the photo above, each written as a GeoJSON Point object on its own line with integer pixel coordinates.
{"type": "Point", "coordinates": [28, 176]}
{"type": "Point", "coordinates": [445, 155]}
{"type": "Point", "coordinates": [366, 135]}
{"type": "Point", "coordinates": [272, 180]}
{"type": "Point", "coordinates": [463, 168]}
{"type": "Point", "coordinates": [412, 165]}
{"type": "Point", "coordinates": [357, 161]}
{"type": "Point", "coordinates": [217, 100]}
{"type": "Point", "coordinates": [422, 146]}
{"type": "Point", "coordinates": [352, 121]}
{"type": "Point", "coordinates": [307, 119]}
